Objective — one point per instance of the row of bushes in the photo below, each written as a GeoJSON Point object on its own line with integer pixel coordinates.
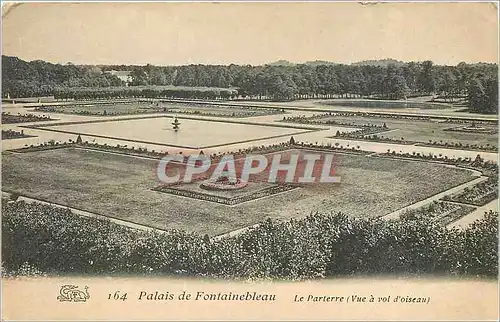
{"type": "Point", "coordinates": [143, 92]}
{"type": "Point", "coordinates": [311, 120]}
{"type": "Point", "coordinates": [57, 242]}
{"type": "Point", "coordinates": [377, 115]}
{"type": "Point", "coordinates": [441, 212]}
{"type": "Point", "coordinates": [11, 134]}
{"type": "Point", "coordinates": [396, 116]}
{"type": "Point", "coordinates": [364, 135]}
{"type": "Point", "coordinates": [460, 145]}
{"type": "Point", "coordinates": [488, 168]}
{"type": "Point", "coordinates": [227, 200]}
{"type": "Point", "coordinates": [8, 118]}
{"type": "Point", "coordinates": [132, 150]}
{"type": "Point", "coordinates": [479, 194]}
{"type": "Point", "coordinates": [473, 123]}
{"type": "Point", "coordinates": [95, 112]}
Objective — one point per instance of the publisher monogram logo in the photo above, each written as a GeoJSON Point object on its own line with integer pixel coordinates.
{"type": "Point", "coordinates": [71, 293]}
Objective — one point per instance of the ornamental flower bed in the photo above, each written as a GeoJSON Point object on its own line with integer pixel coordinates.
{"type": "Point", "coordinates": [8, 118]}
{"type": "Point", "coordinates": [315, 118]}
{"type": "Point", "coordinates": [11, 134]}
{"type": "Point", "coordinates": [371, 134]}
{"type": "Point", "coordinates": [460, 146]}
{"type": "Point", "coordinates": [479, 195]}
{"type": "Point", "coordinates": [224, 183]}
{"type": "Point", "coordinates": [486, 167]}
{"type": "Point", "coordinates": [269, 191]}
{"type": "Point", "coordinates": [440, 212]}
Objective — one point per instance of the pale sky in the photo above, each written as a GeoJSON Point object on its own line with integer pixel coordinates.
{"type": "Point", "coordinates": [250, 33]}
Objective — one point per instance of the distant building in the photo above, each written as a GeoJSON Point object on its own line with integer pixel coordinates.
{"type": "Point", "coordinates": [124, 75]}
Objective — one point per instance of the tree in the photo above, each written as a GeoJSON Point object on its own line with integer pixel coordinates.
{"type": "Point", "coordinates": [395, 84]}
{"type": "Point", "coordinates": [426, 81]}
{"type": "Point", "coordinates": [139, 77]}
{"type": "Point", "coordinates": [448, 85]}
{"type": "Point", "coordinates": [478, 83]}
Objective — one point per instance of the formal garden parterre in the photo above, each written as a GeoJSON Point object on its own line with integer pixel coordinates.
{"type": "Point", "coordinates": [157, 130]}
{"type": "Point", "coordinates": [144, 106]}
{"type": "Point", "coordinates": [120, 176]}
{"type": "Point", "coordinates": [311, 232]}
{"type": "Point", "coordinates": [114, 249]}
{"type": "Point", "coordinates": [410, 130]}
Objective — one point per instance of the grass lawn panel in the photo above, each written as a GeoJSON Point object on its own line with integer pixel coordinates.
{"type": "Point", "coordinates": [120, 186]}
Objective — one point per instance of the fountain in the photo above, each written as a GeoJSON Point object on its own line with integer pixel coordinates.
{"type": "Point", "coordinates": [176, 124]}
{"type": "Point", "coordinates": [473, 128]}
{"type": "Point", "coordinates": [225, 181]}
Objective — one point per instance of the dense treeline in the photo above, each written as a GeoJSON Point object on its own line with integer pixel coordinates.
{"type": "Point", "coordinates": [55, 241]}
{"type": "Point", "coordinates": [39, 78]}
{"type": "Point", "coordinates": [483, 94]}
{"type": "Point", "coordinates": [476, 83]}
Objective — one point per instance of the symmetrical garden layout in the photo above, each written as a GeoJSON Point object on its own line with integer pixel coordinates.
{"type": "Point", "coordinates": [120, 181]}
{"type": "Point", "coordinates": [196, 133]}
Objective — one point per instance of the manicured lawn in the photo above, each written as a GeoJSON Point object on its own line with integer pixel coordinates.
{"type": "Point", "coordinates": [193, 133]}
{"type": "Point", "coordinates": [120, 186]}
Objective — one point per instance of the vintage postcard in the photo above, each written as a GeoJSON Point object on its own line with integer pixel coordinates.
{"type": "Point", "coordinates": [229, 161]}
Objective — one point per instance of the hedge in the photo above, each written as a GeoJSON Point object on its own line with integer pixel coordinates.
{"type": "Point", "coordinates": [78, 93]}
{"type": "Point", "coordinates": [56, 241]}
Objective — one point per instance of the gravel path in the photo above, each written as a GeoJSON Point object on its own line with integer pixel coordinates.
{"type": "Point", "coordinates": [473, 216]}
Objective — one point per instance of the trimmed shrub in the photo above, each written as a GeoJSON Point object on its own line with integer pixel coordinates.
{"type": "Point", "coordinates": [55, 241]}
